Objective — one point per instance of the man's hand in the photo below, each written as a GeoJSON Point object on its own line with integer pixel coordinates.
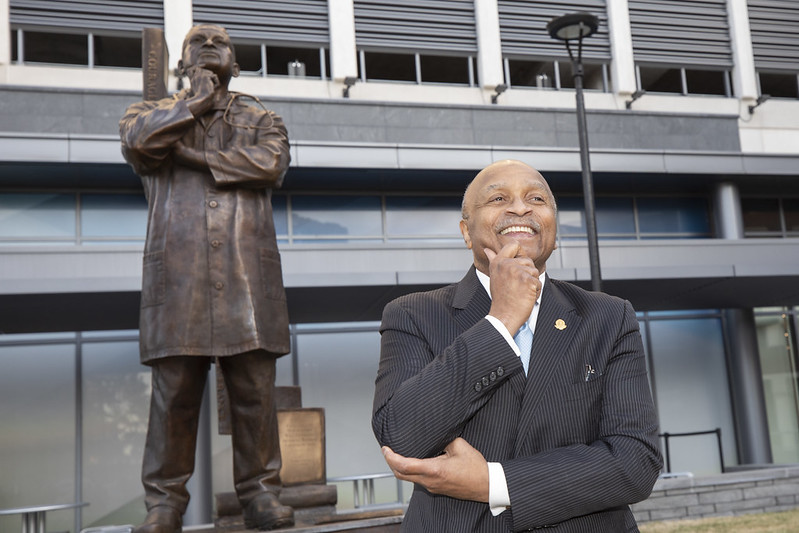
{"type": "Point", "coordinates": [514, 285]}
{"type": "Point", "coordinates": [460, 472]}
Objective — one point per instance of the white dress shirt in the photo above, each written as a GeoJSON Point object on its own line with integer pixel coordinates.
{"type": "Point", "coordinates": [498, 497]}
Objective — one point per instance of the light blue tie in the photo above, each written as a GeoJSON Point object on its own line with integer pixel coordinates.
{"type": "Point", "coordinates": [524, 340]}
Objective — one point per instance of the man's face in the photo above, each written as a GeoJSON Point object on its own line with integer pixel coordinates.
{"type": "Point", "coordinates": [209, 47]}
{"type": "Point", "coordinates": [509, 201]}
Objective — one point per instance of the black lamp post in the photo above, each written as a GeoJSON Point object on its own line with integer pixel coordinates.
{"type": "Point", "coordinates": [568, 28]}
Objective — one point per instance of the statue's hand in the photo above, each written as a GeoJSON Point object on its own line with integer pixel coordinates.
{"type": "Point", "coordinates": [203, 84]}
{"type": "Point", "coordinates": [187, 156]}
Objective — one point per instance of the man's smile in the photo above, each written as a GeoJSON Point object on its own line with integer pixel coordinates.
{"type": "Point", "coordinates": [518, 229]}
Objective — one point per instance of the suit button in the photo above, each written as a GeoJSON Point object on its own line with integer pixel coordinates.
{"type": "Point", "coordinates": [485, 381]}
{"type": "Point", "coordinates": [213, 203]}
{"type": "Point", "coordinates": [492, 376]}
{"type": "Point", "coordinates": [218, 285]}
{"type": "Point", "coordinates": [500, 371]}
{"type": "Point", "coordinates": [215, 243]}
{"type": "Point", "coordinates": [478, 387]}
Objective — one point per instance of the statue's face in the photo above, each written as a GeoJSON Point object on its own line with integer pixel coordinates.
{"type": "Point", "coordinates": [209, 47]}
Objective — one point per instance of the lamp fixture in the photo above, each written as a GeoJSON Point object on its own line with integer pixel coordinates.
{"type": "Point", "coordinates": [501, 88]}
{"type": "Point", "coordinates": [349, 81]}
{"type": "Point", "coordinates": [635, 96]}
{"type": "Point", "coordinates": [573, 26]}
{"type": "Point", "coordinates": [760, 101]}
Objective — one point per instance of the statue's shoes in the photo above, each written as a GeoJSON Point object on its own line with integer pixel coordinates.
{"type": "Point", "coordinates": [161, 519]}
{"type": "Point", "coordinates": [265, 512]}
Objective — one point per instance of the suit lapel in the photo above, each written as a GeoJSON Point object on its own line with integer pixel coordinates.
{"type": "Point", "coordinates": [470, 300]}
{"type": "Point", "coordinates": [550, 342]}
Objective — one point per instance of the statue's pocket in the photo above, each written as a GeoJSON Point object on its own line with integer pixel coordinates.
{"type": "Point", "coordinates": [272, 274]}
{"type": "Point", "coordinates": [153, 290]}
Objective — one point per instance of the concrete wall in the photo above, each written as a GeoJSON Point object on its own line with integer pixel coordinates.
{"type": "Point", "coordinates": [755, 491]}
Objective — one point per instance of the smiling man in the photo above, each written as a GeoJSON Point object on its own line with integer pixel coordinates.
{"type": "Point", "coordinates": [496, 436]}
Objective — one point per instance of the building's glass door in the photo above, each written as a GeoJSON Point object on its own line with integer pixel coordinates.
{"type": "Point", "coordinates": [776, 338]}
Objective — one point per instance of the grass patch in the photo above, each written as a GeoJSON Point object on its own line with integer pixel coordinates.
{"type": "Point", "coordinates": [782, 522]}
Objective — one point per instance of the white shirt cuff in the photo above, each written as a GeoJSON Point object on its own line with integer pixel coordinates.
{"type": "Point", "coordinates": [499, 326]}
{"type": "Point", "coordinates": [498, 497]}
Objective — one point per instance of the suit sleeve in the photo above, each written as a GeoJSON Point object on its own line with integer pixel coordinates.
{"type": "Point", "coordinates": [424, 398]}
{"type": "Point", "coordinates": [618, 468]}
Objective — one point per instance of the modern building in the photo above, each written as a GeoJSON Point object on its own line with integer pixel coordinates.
{"type": "Point", "coordinates": [392, 107]}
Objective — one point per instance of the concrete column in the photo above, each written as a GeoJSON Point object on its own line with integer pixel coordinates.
{"type": "Point", "coordinates": [200, 485]}
{"type": "Point", "coordinates": [743, 359]}
{"type": "Point", "coordinates": [489, 44]}
{"type": "Point", "coordinates": [5, 33]}
{"type": "Point", "coordinates": [177, 23]}
{"type": "Point", "coordinates": [622, 66]}
{"type": "Point", "coordinates": [343, 55]}
{"type": "Point", "coordinates": [729, 218]}
{"type": "Point", "coordinates": [746, 382]}
{"type": "Point", "coordinates": [744, 78]}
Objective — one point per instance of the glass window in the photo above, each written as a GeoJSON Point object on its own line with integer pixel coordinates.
{"type": "Point", "coordinates": [37, 216]}
{"type": "Point", "coordinates": [248, 56]}
{"type": "Point", "coordinates": [117, 51]}
{"type": "Point", "coordinates": [790, 208]}
{"type": "Point", "coordinates": [761, 215]}
{"type": "Point", "coordinates": [690, 375]}
{"type": "Point", "coordinates": [324, 217]}
{"type": "Point", "coordinates": [40, 47]}
{"type": "Point", "coordinates": [777, 364]}
{"type": "Point", "coordinates": [673, 216]}
{"type": "Point", "coordinates": [384, 66]}
{"type": "Point", "coordinates": [707, 82]}
{"type": "Point", "coordinates": [540, 74]}
{"type": "Point", "coordinates": [445, 69]}
{"type": "Point", "coordinates": [660, 79]}
{"type": "Point", "coordinates": [423, 216]}
{"type": "Point", "coordinates": [37, 414]}
{"type": "Point", "coordinates": [116, 397]}
{"type": "Point", "coordinates": [113, 216]}
{"type": "Point", "coordinates": [779, 85]}
{"type": "Point", "coordinates": [615, 217]}
{"type": "Point", "coordinates": [571, 217]}
{"type": "Point", "coordinates": [278, 59]}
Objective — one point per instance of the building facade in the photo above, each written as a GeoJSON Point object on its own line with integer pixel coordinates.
{"type": "Point", "coordinates": [693, 126]}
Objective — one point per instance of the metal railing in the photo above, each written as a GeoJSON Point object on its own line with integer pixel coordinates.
{"type": "Point", "coordinates": [666, 436]}
{"type": "Point", "coordinates": [363, 489]}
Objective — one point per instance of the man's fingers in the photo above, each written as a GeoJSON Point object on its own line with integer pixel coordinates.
{"type": "Point", "coordinates": [490, 254]}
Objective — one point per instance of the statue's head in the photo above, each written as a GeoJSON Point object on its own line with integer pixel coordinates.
{"type": "Point", "coordinates": [208, 46]}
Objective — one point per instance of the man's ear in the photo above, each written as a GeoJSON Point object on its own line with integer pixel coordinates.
{"type": "Point", "coordinates": [465, 232]}
{"type": "Point", "coordinates": [235, 70]}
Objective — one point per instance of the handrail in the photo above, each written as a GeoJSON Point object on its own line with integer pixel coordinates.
{"type": "Point", "coordinates": [666, 436]}
{"type": "Point", "coordinates": [363, 487]}
{"type": "Point", "coordinates": [34, 518]}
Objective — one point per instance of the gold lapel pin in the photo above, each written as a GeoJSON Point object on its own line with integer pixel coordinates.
{"type": "Point", "coordinates": [560, 324]}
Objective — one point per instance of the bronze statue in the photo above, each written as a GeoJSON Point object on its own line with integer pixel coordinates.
{"type": "Point", "coordinates": [212, 282]}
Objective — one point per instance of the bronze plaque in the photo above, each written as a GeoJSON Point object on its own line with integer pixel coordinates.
{"type": "Point", "coordinates": [302, 445]}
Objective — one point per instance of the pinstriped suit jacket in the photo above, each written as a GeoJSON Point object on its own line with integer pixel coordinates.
{"type": "Point", "coordinates": [577, 438]}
